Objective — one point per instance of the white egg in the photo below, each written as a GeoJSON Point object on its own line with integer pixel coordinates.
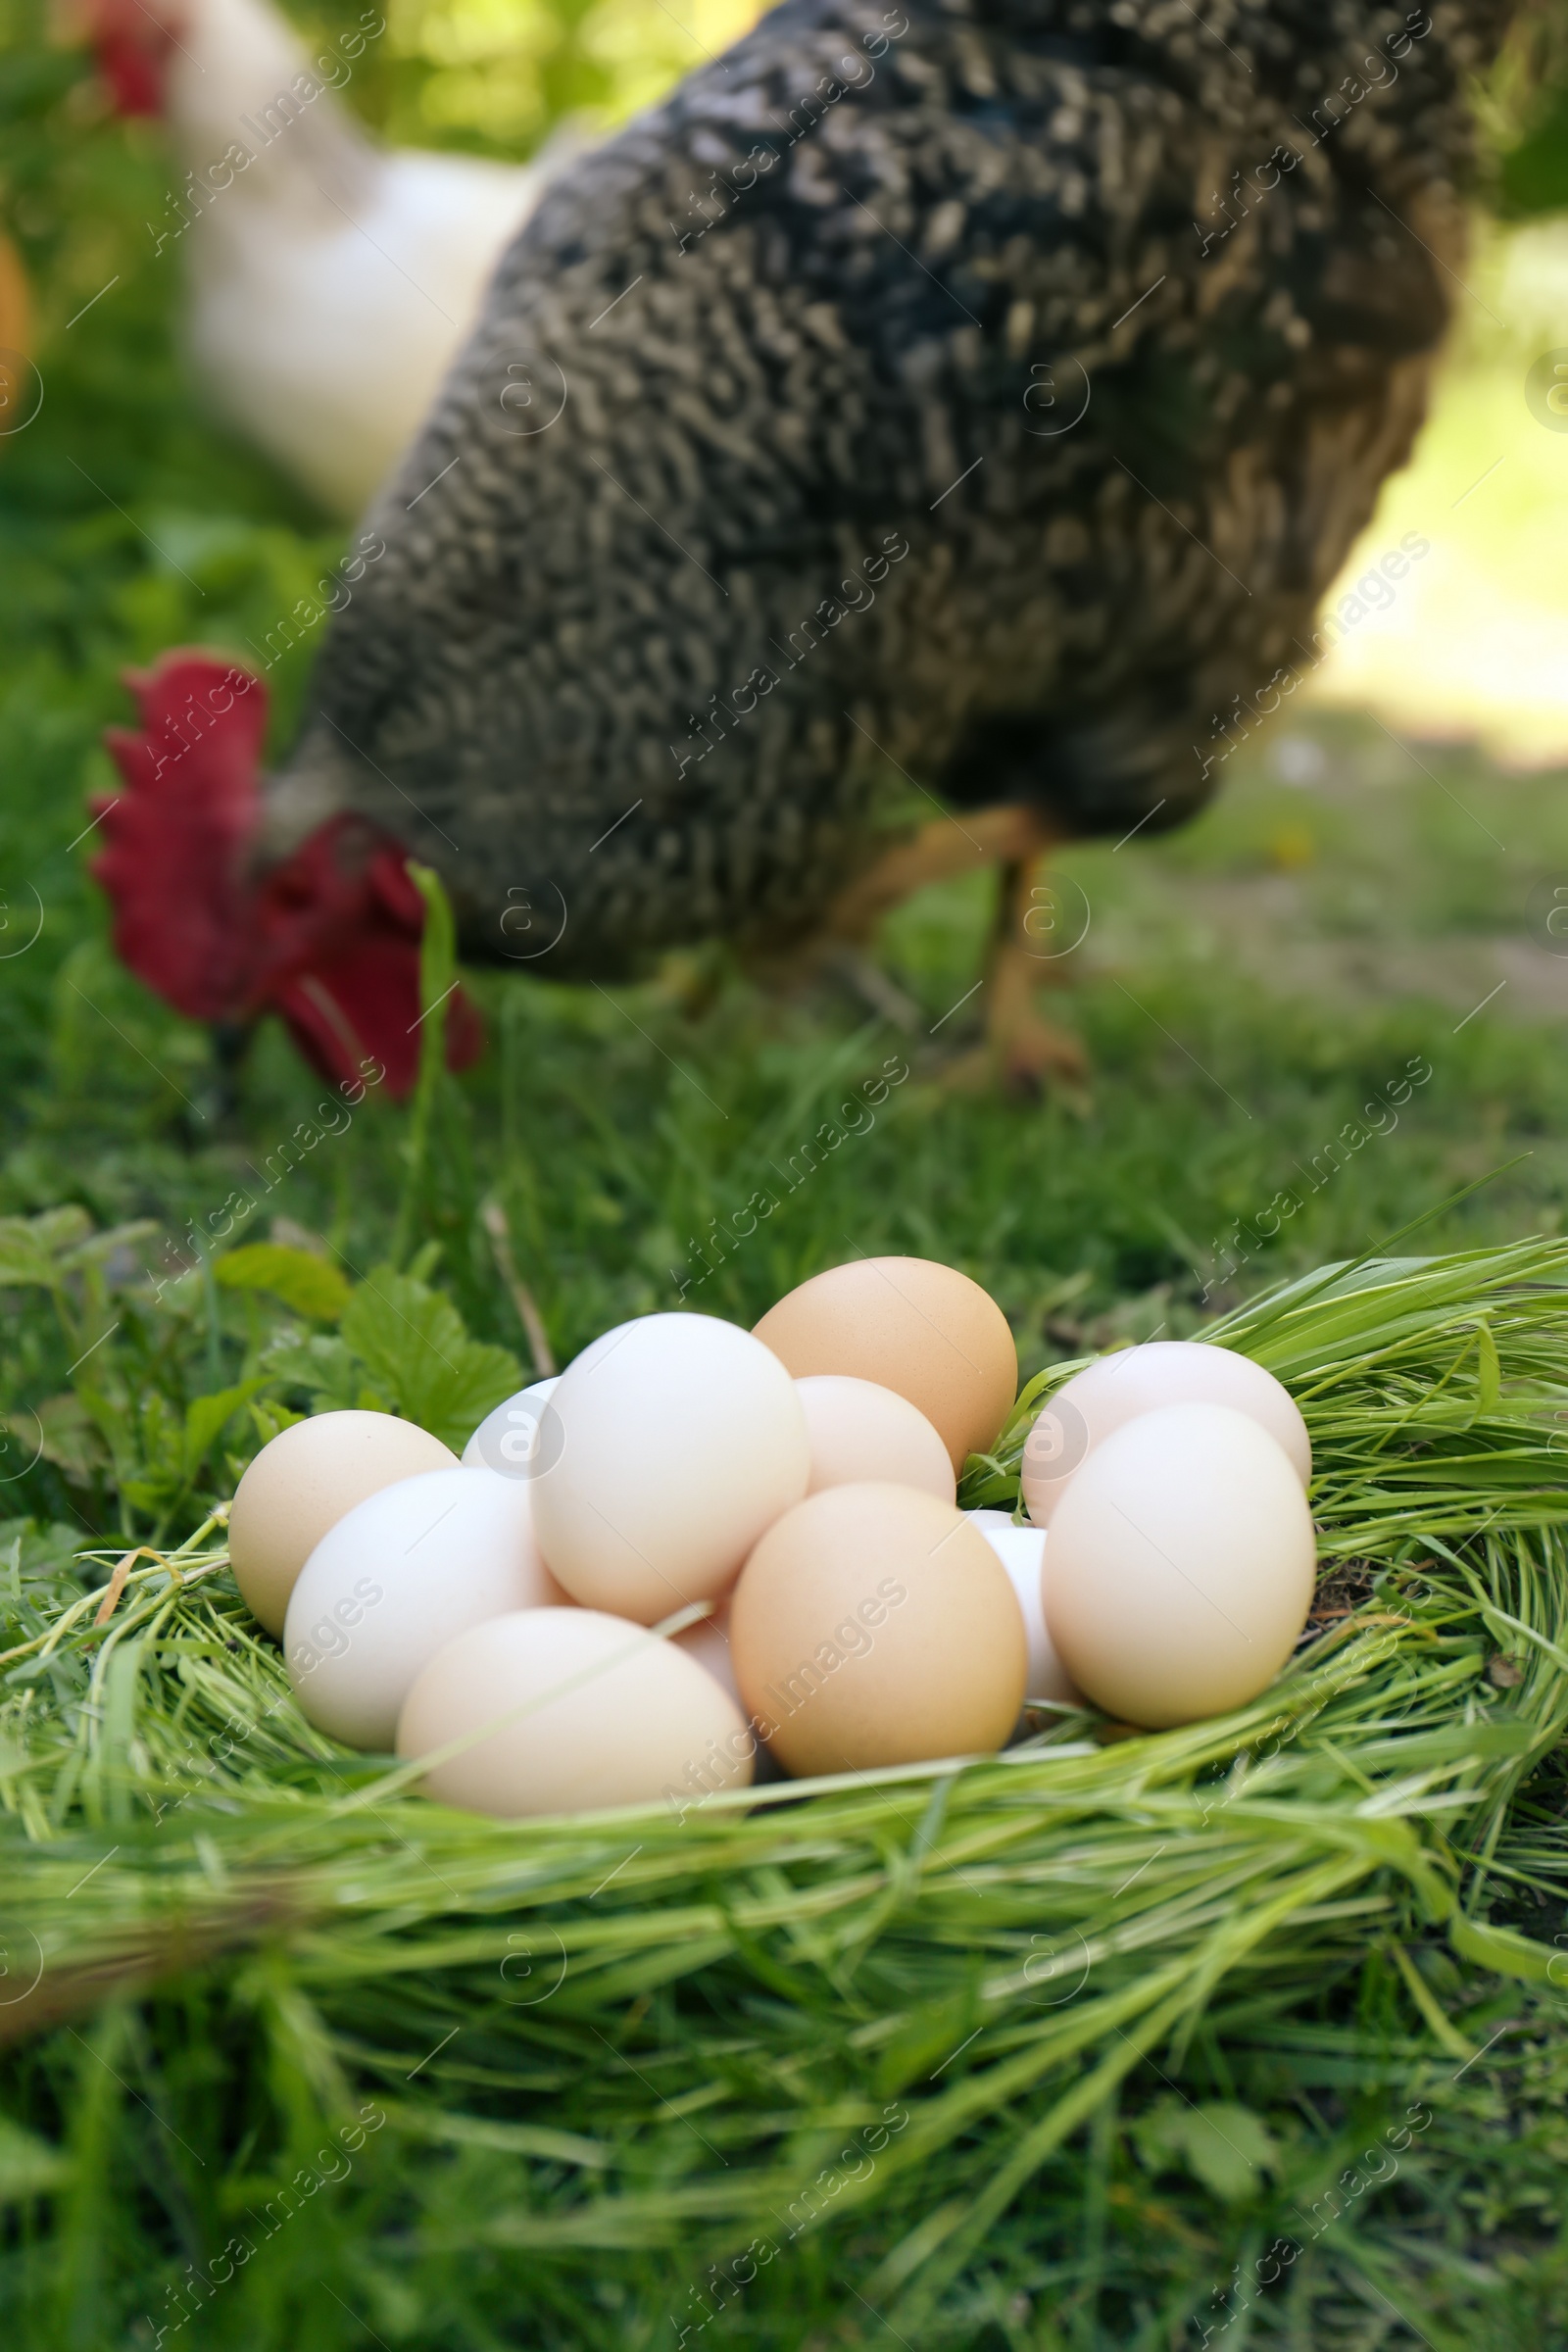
{"type": "Point", "coordinates": [516, 1438]}
{"type": "Point", "coordinates": [1022, 1552]}
{"type": "Point", "coordinates": [1182, 1561]}
{"type": "Point", "coordinates": [396, 1578]}
{"type": "Point", "coordinates": [682, 1439]}
{"type": "Point", "coordinates": [1105, 1396]}
{"type": "Point", "coordinates": [567, 1710]}
{"type": "Point", "coordinates": [859, 1431]}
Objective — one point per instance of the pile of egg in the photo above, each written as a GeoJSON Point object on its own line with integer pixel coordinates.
{"type": "Point", "coordinates": [787, 1496]}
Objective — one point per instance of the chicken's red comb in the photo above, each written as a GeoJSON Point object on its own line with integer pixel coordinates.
{"type": "Point", "coordinates": [131, 43]}
{"type": "Point", "coordinates": [179, 833]}
{"type": "Point", "coordinates": [329, 938]}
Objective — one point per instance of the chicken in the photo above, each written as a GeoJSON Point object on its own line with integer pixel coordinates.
{"type": "Point", "coordinates": [975, 396]}
{"type": "Point", "coordinates": [331, 280]}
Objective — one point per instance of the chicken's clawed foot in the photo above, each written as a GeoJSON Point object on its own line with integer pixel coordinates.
{"type": "Point", "coordinates": [1022, 1060]}
{"type": "Point", "coordinates": [1021, 1053]}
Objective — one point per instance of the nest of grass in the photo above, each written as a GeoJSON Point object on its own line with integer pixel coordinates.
{"type": "Point", "coordinates": [897, 1996]}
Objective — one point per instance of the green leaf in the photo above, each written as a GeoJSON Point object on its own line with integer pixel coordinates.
{"type": "Point", "coordinates": [439, 973]}
{"type": "Point", "coordinates": [329, 1372]}
{"type": "Point", "coordinates": [121, 1242]}
{"type": "Point", "coordinates": [205, 1416]}
{"type": "Point", "coordinates": [929, 2036]}
{"type": "Point", "coordinates": [438, 970]}
{"type": "Point", "coordinates": [71, 1438]}
{"type": "Point", "coordinates": [272, 1419]}
{"type": "Point", "coordinates": [411, 1342]}
{"type": "Point", "coordinates": [60, 1229]}
{"type": "Point", "coordinates": [1489, 1372]}
{"type": "Point", "coordinates": [1228, 2148]}
{"type": "Point", "coordinates": [310, 1285]}
{"type": "Point", "coordinates": [1506, 1951]}
{"type": "Point", "coordinates": [26, 1258]}
{"type": "Point", "coordinates": [28, 2166]}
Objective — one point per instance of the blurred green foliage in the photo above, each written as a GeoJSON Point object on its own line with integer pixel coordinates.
{"type": "Point", "coordinates": [1524, 113]}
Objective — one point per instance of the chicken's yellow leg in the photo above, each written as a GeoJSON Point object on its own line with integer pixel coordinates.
{"type": "Point", "coordinates": [1028, 951]}
{"type": "Point", "coordinates": [1028, 945]}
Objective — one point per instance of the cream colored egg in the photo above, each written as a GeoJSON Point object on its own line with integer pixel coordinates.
{"type": "Point", "coordinates": [912, 1325]}
{"type": "Point", "coordinates": [516, 1438]}
{"type": "Point", "coordinates": [1022, 1553]}
{"type": "Point", "coordinates": [576, 1710]}
{"type": "Point", "coordinates": [707, 1642]}
{"type": "Point", "coordinates": [679, 1442]}
{"type": "Point", "coordinates": [1105, 1396]}
{"type": "Point", "coordinates": [1181, 1566]}
{"type": "Point", "coordinates": [873, 1626]}
{"type": "Point", "coordinates": [860, 1430]}
{"type": "Point", "coordinates": [395, 1580]}
{"type": "Point", "coordinates": [302, 1482]}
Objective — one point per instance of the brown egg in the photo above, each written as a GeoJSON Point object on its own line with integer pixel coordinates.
{"type": "Point", "coordinates": [910, 1325]}
{"type": "Point", "coordinates": [872, 1625]}
{"type": "Point", "coordinates": [310, 1477]}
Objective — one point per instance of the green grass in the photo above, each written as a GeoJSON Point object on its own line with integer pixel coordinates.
{"type": "Point", "coordinates": [273, 1953]}
{"type": "Point", "coordinates": [1044, 2047]}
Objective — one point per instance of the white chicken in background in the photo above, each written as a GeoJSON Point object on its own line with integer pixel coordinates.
{"type": "Point", "coordinates": [330, 279]}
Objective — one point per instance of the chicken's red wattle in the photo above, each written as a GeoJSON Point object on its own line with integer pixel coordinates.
{"type": "Point", "coordinates": [328, 939]}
